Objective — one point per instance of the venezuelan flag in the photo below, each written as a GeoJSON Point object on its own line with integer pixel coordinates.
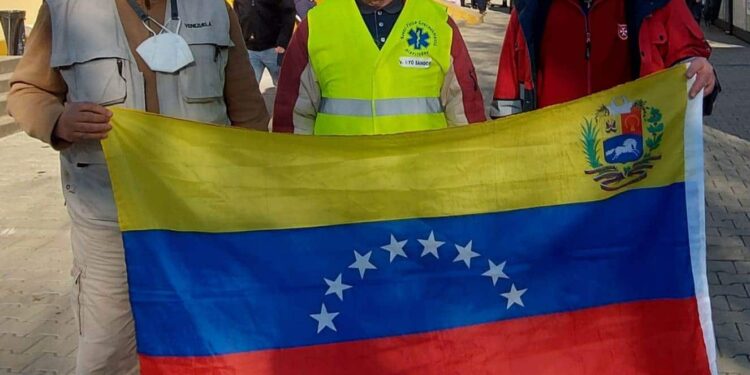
{"type": "Point", "coordinates": [520, 246]}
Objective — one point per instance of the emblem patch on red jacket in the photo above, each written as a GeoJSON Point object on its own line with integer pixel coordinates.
{"type": "Point", "coordinates": [622, 31]}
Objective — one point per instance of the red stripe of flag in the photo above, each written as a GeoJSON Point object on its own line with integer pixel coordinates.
{"type": "Point", "coordinates": [655, 337]}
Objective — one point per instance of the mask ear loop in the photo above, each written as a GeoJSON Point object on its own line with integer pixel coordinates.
{"type": "Point", "coordinates": [177, 30]}
{"type": "Point", "coordinates": [145, 24]}
{"type": "Point", "coordinates": [162, 27]}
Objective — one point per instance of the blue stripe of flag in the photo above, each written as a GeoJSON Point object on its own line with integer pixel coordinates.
{"type": "Point", "coordinates": [197, 294]}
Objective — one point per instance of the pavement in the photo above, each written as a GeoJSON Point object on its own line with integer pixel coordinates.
{"type": "Point", "coordinates": [37, 330]}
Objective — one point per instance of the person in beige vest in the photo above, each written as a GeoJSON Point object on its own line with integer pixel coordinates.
{"type": "Point", "coordinates": [83, 56]}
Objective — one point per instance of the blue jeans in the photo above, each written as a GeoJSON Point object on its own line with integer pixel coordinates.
{"type": "Point", "coordinates": [267, 59]}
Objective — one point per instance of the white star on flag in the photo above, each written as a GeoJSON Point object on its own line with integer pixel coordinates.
{"type": "Point", "coordinates": [336, 287]}
{"type": "Point", "coordinates": [514, 296]}
{"type": "Point", "coordinates": [431, 246]}
{"type": "Point", "coordinates": [362, 263]}
{"type": "Point", "coordinates": [465, 254]}
{"type": "Point", "coordinates": [325, 319]}
{"type": "Point", "coordinates": [396, 248]}
{"type": "Point", "coordinates": [496, 272]}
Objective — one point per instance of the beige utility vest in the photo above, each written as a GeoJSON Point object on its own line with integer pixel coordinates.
{"type": "Point", "coordinates": [90, 50]}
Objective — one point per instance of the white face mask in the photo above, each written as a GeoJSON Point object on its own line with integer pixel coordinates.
{"type": "Point", "coordinates": [166, 52]}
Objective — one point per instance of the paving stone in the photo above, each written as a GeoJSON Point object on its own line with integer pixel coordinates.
{"type": "Point", "coordinates": [734, 365]}
{"type": "Point", "coordinates": [713, 278]}
{"type": "Point", "coordinates": [729, 348]}
{"type": "Point", "coordinates": [725, 216]}
{"type": "Point", "coordinates": [15, 362]}
{"type": "Point", "coordinates": [721, 266]}
{"type": "Point", "coordinates": [711, 223]}
{"type": "Point", "coordinates": [51, 363]}
{"type": "Point", "coordinates": [739, 304]}
{"type": "Point", "coordinates": [737, 290]}
{"type": "Point", "coordinates": [59, 346]}
{"type": "Point", "coordinates": [728, 331]}
{"type": "Point", "coordinates": [720, 303]}
{"type": "Point", "coordinates": [18, 344]}
{"type": "Point", "coordinates": [20, 328]}
{"type": "Point", "coordinates": [744, 329]}
{"type": "Point", "coordinates": [728, 241]}
{"type": "Point", "coordinates": [734, 232]}
{"type": "Point", "coordinates": [742, 267]}
{"type": "Point", "coordinates": [720, 316]}
{"type": "Point", "coordinates": [728, 278]}
{"type": "Point", "coordinates": [727, 253]}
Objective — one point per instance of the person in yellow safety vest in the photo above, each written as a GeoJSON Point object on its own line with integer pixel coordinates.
{"type": "Point", "coordinates": [362, 67]}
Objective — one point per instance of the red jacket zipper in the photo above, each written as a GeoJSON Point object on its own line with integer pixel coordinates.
{"type": "Point", "coordinates": [587, 13]}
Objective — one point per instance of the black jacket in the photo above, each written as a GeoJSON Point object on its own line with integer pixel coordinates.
{"type": "Point", "coordinates": [266, 23]}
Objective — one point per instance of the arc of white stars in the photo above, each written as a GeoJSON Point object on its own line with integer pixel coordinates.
{"type": "Point", "coordinates": [431, 246]}
{"type": "Point", "coordinates": [336, 287]}
{"type": "Point", "coordinates": [325, 319]}
{"type": "Point", "coordinates": [514, 296]}
{"type": "Point", "coordinates": [362, 263]}
{"type": "Point", "coordinates": [465, 254]}
{"type": "Point", "coordinates": [395, 248]}
{"type": "Point", "coordinates": [496, 271]}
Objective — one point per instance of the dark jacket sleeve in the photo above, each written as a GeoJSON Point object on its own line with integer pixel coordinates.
{"type": "Point", "coordinates": [303, 6]}
{"type": "Point", "coordinates": [288, 13]}
{"type": "Point", "coordinates": [295, 63]}
{"type": "Point", "coordinates": [241, 9]}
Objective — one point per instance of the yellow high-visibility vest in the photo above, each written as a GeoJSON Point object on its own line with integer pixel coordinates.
{"type": "Point", "coordinates": [365, 90]}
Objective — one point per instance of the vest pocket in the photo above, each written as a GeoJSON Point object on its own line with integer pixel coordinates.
{"type": "Point", "coordinates": [203, 80]}
{"type": "Point", "coordinates": [97, 81]}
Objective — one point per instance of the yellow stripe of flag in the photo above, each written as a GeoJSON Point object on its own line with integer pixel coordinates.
{"type": "Point", "coordinates": [185, 176]}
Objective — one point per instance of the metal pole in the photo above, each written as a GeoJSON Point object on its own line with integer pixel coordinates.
{"type": "Point", "coordinates": [730, 16]}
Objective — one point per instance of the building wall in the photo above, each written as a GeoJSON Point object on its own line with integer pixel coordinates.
{"type": "Point", "coordinates": [31, 7]}
{"type": "Point", "coordinates": [740, 18]}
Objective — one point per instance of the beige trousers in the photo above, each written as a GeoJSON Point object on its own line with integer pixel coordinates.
{"type": "Point", "coordinates": [106, 343]}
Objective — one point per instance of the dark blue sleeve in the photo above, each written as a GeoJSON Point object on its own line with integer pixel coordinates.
{"type": "Point", "coordinates": [303, 6]}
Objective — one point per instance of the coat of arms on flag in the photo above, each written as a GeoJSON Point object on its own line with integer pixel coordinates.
{"type": "Point", "coordinates": [615, 146]}
{"type": "Point", "coordinates": [475, 250]}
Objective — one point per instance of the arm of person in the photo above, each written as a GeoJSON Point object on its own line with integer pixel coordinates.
{"type": "Point", "coordinates": [245, 105]}
{"type": "Point", "coordinates": [37, 96]}
{"type": "Point", "coordinates": [507, 97]}
{"type": "Point", "coordinates": [298, 94]}
{"type": "Point", "coordinates": [461, 95]}
{"type": "Point", "coordinates": [288, 13]}
{"type": "Point", "coordinates": [687, 42]}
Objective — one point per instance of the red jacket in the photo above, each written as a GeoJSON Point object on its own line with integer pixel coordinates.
{"type": "Point", "coordinates": [570, 53]}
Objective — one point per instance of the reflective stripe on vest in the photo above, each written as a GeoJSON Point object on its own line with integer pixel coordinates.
{"type": "Point", "coordinates": [383, 107]}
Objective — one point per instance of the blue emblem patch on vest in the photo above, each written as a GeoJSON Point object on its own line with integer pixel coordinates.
{"type": "Point", "coordinates": [418, 38]}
